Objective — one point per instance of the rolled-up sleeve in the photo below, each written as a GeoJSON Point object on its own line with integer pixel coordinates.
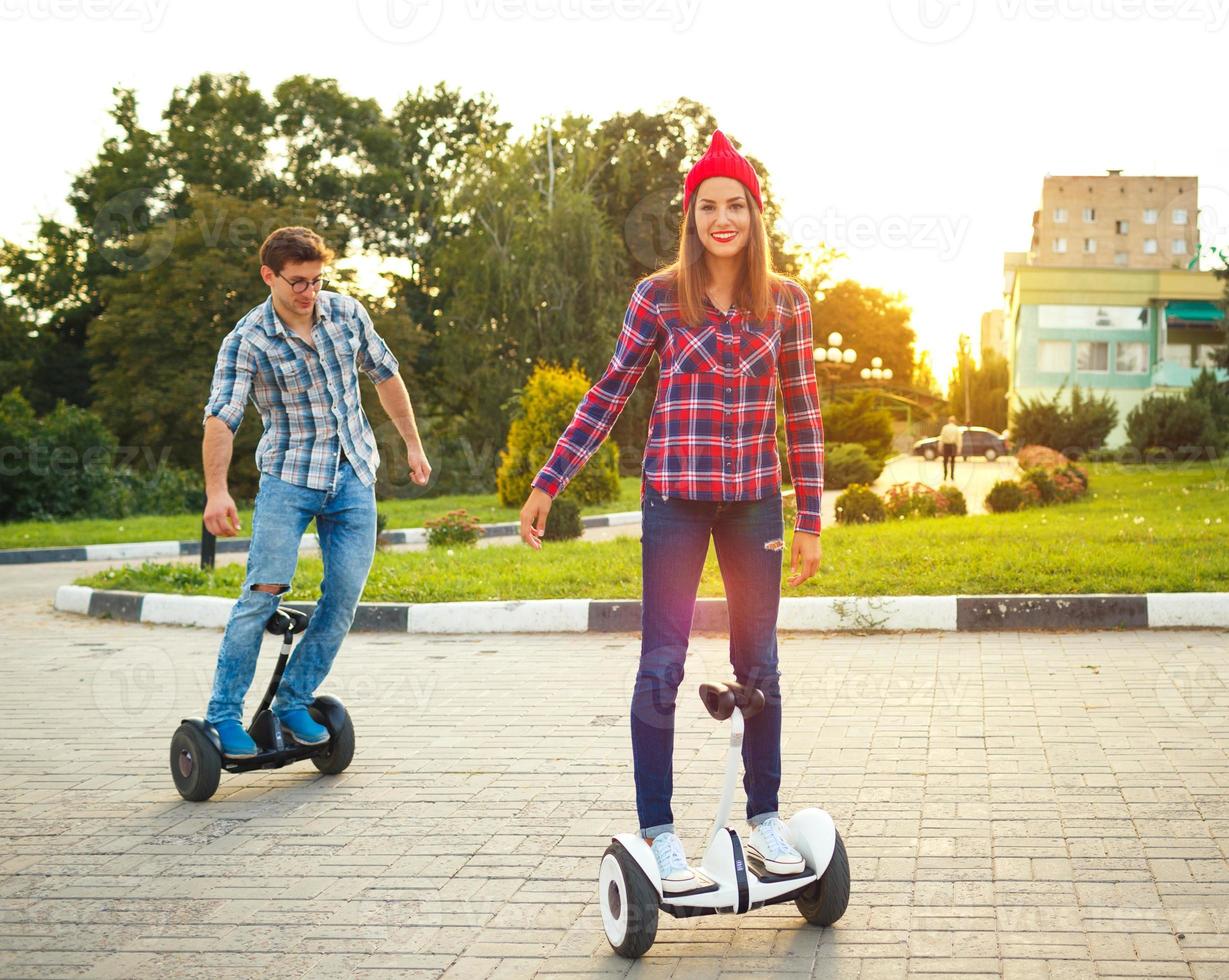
{"type": "Point", "coordinates": [232, 382]}
{"type": "Point", "coordinates": [374, 357]}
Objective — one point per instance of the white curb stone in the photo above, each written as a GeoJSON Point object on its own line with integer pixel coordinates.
{"type": "Point", "coordinates": [1188, 609]}
{"type": "Point", "coordinates": [186, 610]}
{"type": "Point", "coordinates": [73, 599]}
{"type": "Point", "coordinates": [138, 549]}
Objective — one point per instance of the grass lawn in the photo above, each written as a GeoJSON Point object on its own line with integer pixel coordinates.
{"type": "Point", "coordinates": [187, 527]}
{"type": "Point", "coordinates": [1143, 529]}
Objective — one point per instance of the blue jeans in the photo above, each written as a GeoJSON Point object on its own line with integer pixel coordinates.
{"type": "Point", "coordinates": [346, 525]}
{"type": "Point", "coordinates": [749, 540]}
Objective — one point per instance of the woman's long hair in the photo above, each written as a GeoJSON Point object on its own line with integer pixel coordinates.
{"type": "Point", "coordinates": [688, 273]}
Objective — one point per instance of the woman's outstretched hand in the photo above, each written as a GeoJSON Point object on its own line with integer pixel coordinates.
{"type": "Point", "coordinates": [533, 518]}
{"type": "Point", "coordinates": [804, 557]}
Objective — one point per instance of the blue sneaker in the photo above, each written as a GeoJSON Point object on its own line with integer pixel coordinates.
{"type": "Point", "coordinates": [303, 728]}
{"type": "Point", "coordinates": [236, 743]}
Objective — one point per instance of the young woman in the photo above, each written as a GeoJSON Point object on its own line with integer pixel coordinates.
{"type": "Point", "coordinates": [726, 330]}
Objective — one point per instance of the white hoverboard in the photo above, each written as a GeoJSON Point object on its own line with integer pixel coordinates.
{"type": "Point", "coordinates": [629, 886]}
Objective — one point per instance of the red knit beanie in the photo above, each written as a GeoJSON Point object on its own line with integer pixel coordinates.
{"type": "Point", "coordinates": [722, 160]}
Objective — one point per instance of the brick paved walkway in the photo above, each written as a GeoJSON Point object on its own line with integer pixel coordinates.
{"type": "Point", "coordinates": [1017, 805]}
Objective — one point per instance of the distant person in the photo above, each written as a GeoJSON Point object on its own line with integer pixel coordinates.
{"type": "Point", "coordinates": [951, 439]}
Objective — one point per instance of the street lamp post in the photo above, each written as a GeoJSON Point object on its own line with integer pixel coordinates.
{"type": "Point", "coordinates": [831, 360]}
{"type": "Point", "coordinates": [876, 372]}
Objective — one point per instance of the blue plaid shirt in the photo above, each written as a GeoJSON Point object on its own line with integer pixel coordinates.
{"type": "Point", "coordinates": [308, 398]}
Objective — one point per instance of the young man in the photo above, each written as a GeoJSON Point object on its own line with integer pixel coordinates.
{"type": "Point", "coordinates": [297, 356]}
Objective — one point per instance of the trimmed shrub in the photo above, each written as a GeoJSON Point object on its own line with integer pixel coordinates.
{"type": "Point", "coordinates": [859, 505]}
{"type": "Point", "coordinates": [846, 463]}
{"type": "Point", "coordinates": [951, 501]}
{"type": "Point", "coordinates": [457, 527]}
{"type": "Point", "coordinates": [1043, 456]}
{"type": "Point", "coordinates": [546, 406]}
{"type": "Point", "coordinates": [1006, 496]}
{"type": "Point", "coordinates": [910, 500]}
{"type": "Point", "coordinates": [563, 523]}
{"type": "Point", "coordinates": [1047, 492]}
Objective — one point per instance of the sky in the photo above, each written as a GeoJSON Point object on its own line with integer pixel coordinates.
{"type": "Point", "coordinates": [911, 134]}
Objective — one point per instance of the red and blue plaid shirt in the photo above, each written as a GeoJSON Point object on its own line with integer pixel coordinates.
{"type": "Point", "coordinates": [713, 431]}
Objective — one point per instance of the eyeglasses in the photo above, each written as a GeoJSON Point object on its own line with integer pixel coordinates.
{"type": "Point", "coordinates": [302, 285]}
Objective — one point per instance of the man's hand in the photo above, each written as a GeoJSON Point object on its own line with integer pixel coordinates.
{"type": "Point", "coordinates": [420, 469]}
{"type": "Point", "coordinates": [804, 557]}
{"type": "Point", "coordinates": [221, 515]}
{"type": "Point", "coordinates": [533, 518]}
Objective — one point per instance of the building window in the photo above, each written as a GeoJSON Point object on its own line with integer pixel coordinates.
{"type": "Point", "coordinates": [1179, 216]}
{"type": "Point", "coordinates": [1090, 214]}
{"type": "Point", "coordinates": [1090, 246]}
{"type": "Point", "coordinates": [1086, 317]}
{"type": "Point", "coordinates": [1179, 354]}
{"type": "Point", "coordinates": [1131, 358]}
{"type": "Point", "coordinates": [1150, 246]}
{"type": "Point", "coordinates": [1150, 216]}
{"type": "Point", "coordinates": [1120, 258]}
{"type": "Point", "coordinates": [1054, 356]}
{"type": "Point", "coordinates": [1122, 227]}
{"type": "Point", "coordinates": [1092, 355]}
{"type": "Point", "coordinates": [1060, 216]}
{"type": "Point", "coordinates": [1060, 245]}
{"type": "Point", "coordinates": [1179, 246]}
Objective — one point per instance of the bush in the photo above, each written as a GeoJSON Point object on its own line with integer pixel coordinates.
{"type": "Point", "coordinates": [1005, 497]}
{"type": "Point", "coordinates": [860, 421]}
{"type": "Point", "coordinates": [1047, 492]}
{"type": "Point", "coordinates": [1073, 429]}
{"type": "Point", "coordinates": [951, 501]}
{"type": "Point", "coordinates": [63, 465]}
{"type": "Point", "coordinates": [546, 406]}
{"type": "Point", "coordinates": [563, 523]}
{"type": "Point", "coordinates": [910, 500]}
{"type": "Point", "coordinates": [457, 527]}
{"type": "Point", "coordinates": [1070, 483]}
{"type": "Point", "coordinates": [1171, 422]}
{"type": "Point", "coordinates": [846, 463]}
{"type": "Point", "coordinates": [1214, 394]}
{"type": "Point", "coordinates": [859, 505]}
{"type": "Point", "coordinates": [1043, 456]}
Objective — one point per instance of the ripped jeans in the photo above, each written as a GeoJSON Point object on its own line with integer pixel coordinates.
{"type": "Point", "coordinates": [346, 525]}
{"type": "Point", "coordinates": [749, 540]}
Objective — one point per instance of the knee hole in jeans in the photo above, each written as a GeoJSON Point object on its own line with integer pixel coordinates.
{"type": "Point", "coordinates": [271, 589]}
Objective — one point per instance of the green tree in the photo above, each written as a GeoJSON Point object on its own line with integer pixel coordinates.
{"type": "Point", "coordinates": [545, 407]}
{"type": "Point", "coordinates": [872, 322]}
{"type": "Point", "coordinates": [153, 351]}
{"type": "Point", "coordinates": [978, 393]}
{"type": "Point", "coordinates": [540, 268]}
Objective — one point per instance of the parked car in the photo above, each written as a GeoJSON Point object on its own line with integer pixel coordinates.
{"type": "Point", "coordinates": [975, 441]}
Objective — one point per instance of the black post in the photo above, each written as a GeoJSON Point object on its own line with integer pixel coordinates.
{"type": "Point", "coordinates": [208, 546]}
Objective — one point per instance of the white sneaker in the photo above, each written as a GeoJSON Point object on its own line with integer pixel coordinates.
{"type": "Point", "coordinates": [769, 844]}
{"type": "Point", "coordinates": [676, 875]}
